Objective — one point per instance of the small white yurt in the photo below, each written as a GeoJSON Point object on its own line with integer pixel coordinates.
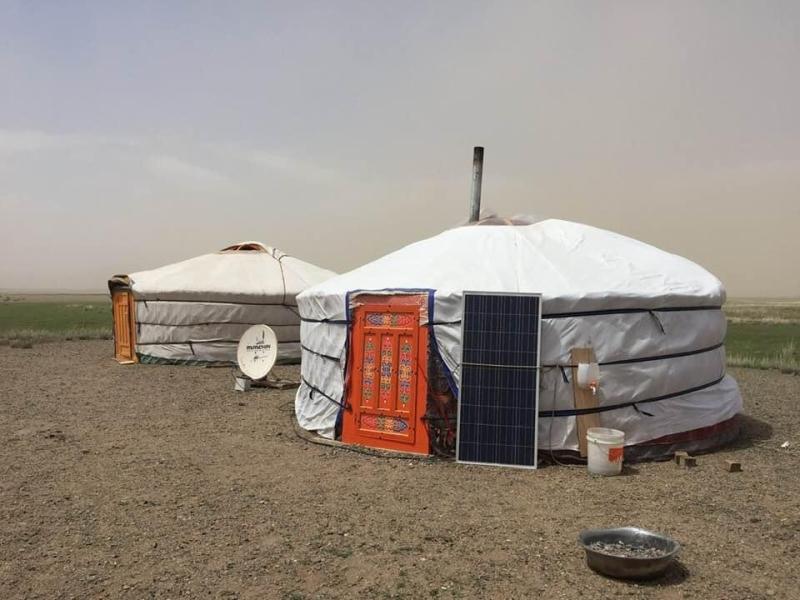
{"type": "Point", "coordinates": [195, 311]}
{"type": "Point", "coordinates": [653, 320]}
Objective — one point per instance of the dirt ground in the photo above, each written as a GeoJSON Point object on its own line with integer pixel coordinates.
{"type": "Point", "coordinates": [162, 482]}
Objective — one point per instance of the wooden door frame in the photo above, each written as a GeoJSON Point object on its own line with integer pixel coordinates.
{"type": "Point", "coordinates": [131, 326]}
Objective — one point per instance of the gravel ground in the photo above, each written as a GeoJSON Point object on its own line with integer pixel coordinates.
{"type": "Point", "coordinates": [161, 482]}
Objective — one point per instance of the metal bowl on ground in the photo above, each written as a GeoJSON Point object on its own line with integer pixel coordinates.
{"type": "Point", "coordinates": [650, 553]}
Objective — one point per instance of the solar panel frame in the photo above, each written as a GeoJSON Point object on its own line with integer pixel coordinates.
{"type": "Point", "coordinates": [535, 368]}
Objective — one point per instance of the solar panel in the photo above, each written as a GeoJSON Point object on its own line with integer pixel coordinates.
{"type": "Point", "coordinates": [498, 397]}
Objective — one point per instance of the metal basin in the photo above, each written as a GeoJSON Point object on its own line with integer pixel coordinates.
{"type": "Point", "coordinates": [629, 567]}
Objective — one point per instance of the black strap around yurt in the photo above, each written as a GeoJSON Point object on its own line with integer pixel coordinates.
{"type": "Point", "coordinates": [321, 393]}
{"type": "Point", "coordinates": [613, 311]}
{"type": "Point", "coordinates": [320, 354]}
{"type": "Point", "coordinates": [328, 321]}
{"type": "Point", "coordinates": [145, 301]}
{"type": "Point", "coordinates": [576, 412]}
{"type": "Point", "coordinates": [347, 322]}
{"type": "Point", "coordinates": [622, 311]}
{"type": "Point", "coordinates": [204, 323]}
{"type": "Point", "coordinates": [629, 361]}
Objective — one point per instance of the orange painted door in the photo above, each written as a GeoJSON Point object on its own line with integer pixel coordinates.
{"type": "Point", "coordinates": [387, 396]}
{"type": "Point", "coordinates": [122, 303]}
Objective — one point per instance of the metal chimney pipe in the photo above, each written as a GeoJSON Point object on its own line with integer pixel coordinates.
{"type": "Point", "coordinates": [477, 179]}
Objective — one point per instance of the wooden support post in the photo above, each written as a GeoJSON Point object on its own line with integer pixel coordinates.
{"type": "Point", "coordinates": [733, 466]}
{"type": "Point", "coordinates": [679, 456]}
{"type": "Point", "coordinates": [583, 398]}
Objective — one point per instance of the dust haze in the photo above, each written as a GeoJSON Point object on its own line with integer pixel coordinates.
{"type": "Point", "coordinates": [132, 137]}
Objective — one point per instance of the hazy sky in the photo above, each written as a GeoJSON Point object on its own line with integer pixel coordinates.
{"type": "Point", "coordinates": [133, 134]}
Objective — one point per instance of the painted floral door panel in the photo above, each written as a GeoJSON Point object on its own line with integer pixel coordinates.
{"type": "Point", "coordinates": [387, 395]}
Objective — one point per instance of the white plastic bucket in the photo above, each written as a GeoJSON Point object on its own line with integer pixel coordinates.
{"type": "Point", "coordinates": [605, 448]}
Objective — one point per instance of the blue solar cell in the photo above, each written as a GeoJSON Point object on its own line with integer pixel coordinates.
{"type": "Point", "coordinates": [498, 403]}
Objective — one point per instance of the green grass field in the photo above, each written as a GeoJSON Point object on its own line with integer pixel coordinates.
{"type": "Point", "coordinates": [761, 333]}
{"type": "Point", "coordinates": [764, 333]}
{"type": "Point", "coordinates": [779, 311]}
{"type": "Point", "coordinates": [764, 346]}
{"type": "Point", "coordinates": [37, 318]}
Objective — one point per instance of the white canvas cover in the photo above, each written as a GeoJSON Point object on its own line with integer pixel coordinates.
{"type": "Point", "coordinates": [197, 309]}
{"type": "Point", "coordinates": [655, 314]}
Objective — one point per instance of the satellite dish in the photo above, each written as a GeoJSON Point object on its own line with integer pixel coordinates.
{"type": "Point", "coordinates": [258, 349]}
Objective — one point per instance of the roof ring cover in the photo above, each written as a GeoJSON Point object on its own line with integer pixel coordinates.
{"type": "Point", "coordinates": [491, 217]}
{"type": "Point", "coordinates": [246, 247]}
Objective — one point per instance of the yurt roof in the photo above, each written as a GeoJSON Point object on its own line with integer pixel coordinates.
{"type": "Point", "coordinates": [570, 264]}
{"type": "Point", "coordinates": [247, 271]}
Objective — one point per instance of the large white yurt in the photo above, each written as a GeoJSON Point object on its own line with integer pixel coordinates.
{"type": "Point", "coordinates": [653, 320]}
{"type": "Point", "coordinates": [195, 311]}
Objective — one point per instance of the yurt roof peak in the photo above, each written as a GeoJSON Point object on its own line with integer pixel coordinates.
{"type": "Point", "coordinates": [252, 246]}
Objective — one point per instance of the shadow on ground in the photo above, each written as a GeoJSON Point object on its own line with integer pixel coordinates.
{"type": "Point", "coordinates": [675, 574]}
{"type": "Point", "coordinates": [751, 432]}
